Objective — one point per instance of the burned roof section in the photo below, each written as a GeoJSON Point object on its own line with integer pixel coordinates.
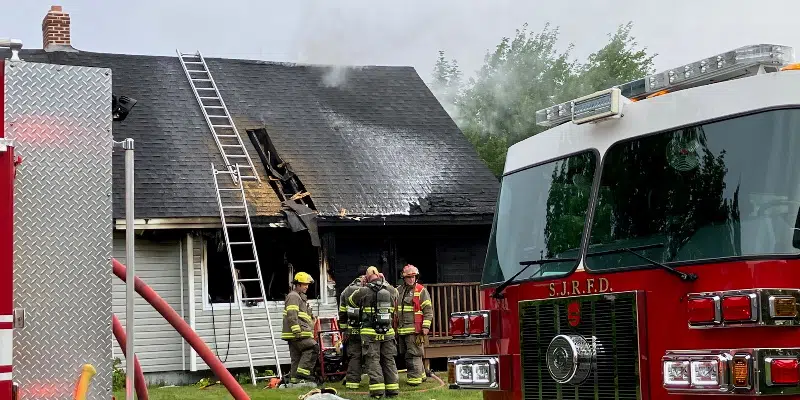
{"type": "Point", "coordinates": [364, 141]}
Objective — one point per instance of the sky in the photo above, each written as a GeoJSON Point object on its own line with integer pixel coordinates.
{"type": "Point", "coordinates": [409, 32]}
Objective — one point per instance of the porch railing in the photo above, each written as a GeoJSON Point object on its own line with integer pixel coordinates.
{"type": "Point", "coordinates": [448, 298]}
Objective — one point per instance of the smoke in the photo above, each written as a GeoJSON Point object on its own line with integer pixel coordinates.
{"type": "Point", "coordinates": [341, 38]}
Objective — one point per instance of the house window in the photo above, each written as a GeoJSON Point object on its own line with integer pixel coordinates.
{"type": "Point", "coordinates": [279, 260]}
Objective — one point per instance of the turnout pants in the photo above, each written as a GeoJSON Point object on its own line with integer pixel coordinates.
{"type": "Point", "coordinates": [379, 364]}
{"type": "Point", "coordinates": [304, 354]}
{"type": "Point", "coordinates": [413, 348]}
{"type": "Point", "coordinates": [354, 355]}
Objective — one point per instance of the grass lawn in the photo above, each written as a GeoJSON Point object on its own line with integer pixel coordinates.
{"type": "Point", "coordinates": [433, 392]}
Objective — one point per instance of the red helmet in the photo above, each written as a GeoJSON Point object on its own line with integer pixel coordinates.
{"type": "Point", "coordinates": [410, 270]}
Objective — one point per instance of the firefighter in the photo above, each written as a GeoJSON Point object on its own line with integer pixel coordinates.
{"type": "Point", "coordinates": [414, 322]}
{"type": "Point", "coordinates": [350, 321]}
{"type": "Point", "coordinates": [298, 330]}
{"type": "Point", "coordinates": [377, 301]}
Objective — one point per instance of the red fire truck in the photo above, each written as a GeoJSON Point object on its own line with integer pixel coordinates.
{"type": "Point", "coordinates": [647, 245]}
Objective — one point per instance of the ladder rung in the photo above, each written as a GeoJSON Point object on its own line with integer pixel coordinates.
{"type": "Point", "coordinates": [244, 261]}
{"type": "Point", "coordinates": [222, 126]}
{"type": "Point", "coordinates": [206, 88]}
{"type": "Point", "coordinates": [196, 71]}
{"type": "Point", "coordinates": [237, 225]}
{"type": "Point", "coordinates": [239, 207]}
{"type": "Point", "coordinates": [252, 298]}
{"type": "Point", "coordinates": [249, 177]}
{"type": "Point", "coordinates": [248, 279]}
{"type": "Point", "coordinates": [236, 155]}
{"type": "Point", "coordinates": [192, 62]}
{"type": "Point", "coordinates": [228, 189]}
{"type": "Point", "coordinates": [235, 243]}
{"type": "Point", "coordinates": [208, 97]}
{"type": "Point", "coordinates": [227, 136]}
{"type": "Point", "coordinates": [232, 145]}
{"type": "Point", "coordinates": [266, 377]}
{"type": "Point", "coordinates": [201, 80]}
{"type": "Point", "coordinates": [217, 116]}
{"type": "Point", "coordinates": [213, 107]}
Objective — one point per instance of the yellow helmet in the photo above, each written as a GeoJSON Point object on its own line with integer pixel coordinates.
{"type": "Point", "coordinates": [303, 277]}
{"type": "Point", "coordinates": [372, 270]}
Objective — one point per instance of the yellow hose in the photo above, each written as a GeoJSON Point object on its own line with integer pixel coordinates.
{"type": "Point", "coordinates": [85, 379]}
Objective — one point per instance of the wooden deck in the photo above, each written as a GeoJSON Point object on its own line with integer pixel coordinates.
{"type": "Point", "coordinates": [449, 298]}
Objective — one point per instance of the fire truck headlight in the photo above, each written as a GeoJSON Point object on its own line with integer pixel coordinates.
{"type": "Point", "coordinates": [697, 372]}
{"type": "Point", "coordinates": [479, 372]}
{"type": "Point", "coordinates": [705, 373]}
{"type": "Point", "coordinates": [676, 373]}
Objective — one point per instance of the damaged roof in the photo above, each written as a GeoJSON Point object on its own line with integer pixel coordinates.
{"type": "Point", "coordinates": [364, 141]}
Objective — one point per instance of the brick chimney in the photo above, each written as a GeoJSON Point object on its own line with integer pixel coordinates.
{"type": "Point", "coordinates": [55, 30]}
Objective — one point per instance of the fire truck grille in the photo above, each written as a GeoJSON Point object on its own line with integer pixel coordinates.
{"type": "Point", "coordinates": [607, 322]}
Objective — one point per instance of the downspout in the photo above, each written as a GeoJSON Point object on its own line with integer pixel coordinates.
{"type": "Point", "coordinates": [183, 315]}
{"type": "Point", "coordinates": [130, 256]}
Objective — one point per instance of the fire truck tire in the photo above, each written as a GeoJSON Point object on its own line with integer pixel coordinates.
{"type": "Point", "coordinates": [139, 383]}
{"type": "Point", "coordinates": [186, 331]}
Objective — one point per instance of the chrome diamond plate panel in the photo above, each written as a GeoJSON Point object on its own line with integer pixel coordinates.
{"type": "Point", "coordinates": [60, 118]}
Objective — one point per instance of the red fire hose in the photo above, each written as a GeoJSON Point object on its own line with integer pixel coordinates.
{"type": "Point", "coordinates": [119, 333]}
{"type": "Point", "coordinates": [186, 331]}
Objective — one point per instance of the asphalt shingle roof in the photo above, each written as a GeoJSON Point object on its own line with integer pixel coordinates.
{"type": "Point", "coordinates": [376, 143]}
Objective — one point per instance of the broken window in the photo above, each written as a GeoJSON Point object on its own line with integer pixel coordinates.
{"type": "Point", "coordinates": [281, 254]}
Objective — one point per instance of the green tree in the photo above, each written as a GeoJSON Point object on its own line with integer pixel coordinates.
{"type": "Point", "coordinates": [497, 107]}
{"type": "Point", "coordinates": [446, 83]}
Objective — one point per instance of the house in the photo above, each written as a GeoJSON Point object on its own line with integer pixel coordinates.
{"type": "Point", "coordinates": [389, 175]}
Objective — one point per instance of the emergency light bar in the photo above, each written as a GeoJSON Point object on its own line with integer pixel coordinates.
{"type": "Point", "coordinates": [741, 62]}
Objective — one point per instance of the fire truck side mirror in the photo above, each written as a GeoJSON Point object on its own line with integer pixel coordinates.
{"type": "Point", "coordinates": [121, 106]}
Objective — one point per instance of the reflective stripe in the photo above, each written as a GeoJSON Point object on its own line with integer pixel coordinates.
{"type": "Point", "coordinates": [418, 313]}
{"type": "Point", "coordinates": [304, 316]}
{"type": "Point", "coordinates": [426, 323]}
{"type": "Point", "coordinates": [350, 299]}
{"type": "Point", "coordinates": [414, 381]}
{"type": "Point", "coordinates": [343, 308]}
{"type": "Point", "coordinates": [351, 385]}
{"type": "Point", "coordinates": [287, 335]}
{"type": "Point", "coordinates": [295, 328]}
{"type": "Point", "coordinates": [343, 326]}
{"type": "Point", "coordinates": [425, 303]}
{"type": "Point", "coordinates": [416, 294]}
{"type": "Point", "coordinates": [6, 318]}
{"type": "Point", "coordinates": [303, 371]}
{"type": "Point", "coordinates": [377, 386]}
{"type": "Point", "coordinates": [392, 386]}
{"type": "Point", "coordinates": [408, 308]}
{"type": "Point", "coordinates": [292, 308]}
{"type": "Point", "coordinates": [6, 350]}
{"type": "Point", "coordinates": [406, 331]}
{"type": "Point", "coordinates": [6, 376]}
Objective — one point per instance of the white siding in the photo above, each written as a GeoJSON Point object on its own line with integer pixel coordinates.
{"type": "Point", "coordinates": [260, 345]}
{"type": "Point", "coordinates": [158, 264]}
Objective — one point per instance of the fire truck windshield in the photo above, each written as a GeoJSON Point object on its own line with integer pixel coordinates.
{"type": "Point", "coordinates": [721, 190]}
{"type": "Point", "coordinates": [540, 215]}
{"type": "Point", "coordinates": [714, 191]}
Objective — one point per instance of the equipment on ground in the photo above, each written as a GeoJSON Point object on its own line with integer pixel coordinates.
{"type": "Point", "coordinates": [332, 362]}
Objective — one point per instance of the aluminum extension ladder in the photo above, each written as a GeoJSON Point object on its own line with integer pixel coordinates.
{"type": "Point", "coordinates": [231, 198]}
{"type": "Point", "coordinates": [216, 114]}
